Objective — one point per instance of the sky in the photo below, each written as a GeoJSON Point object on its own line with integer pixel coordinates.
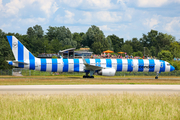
{"type": "Point", "coordinates": [125, 18]}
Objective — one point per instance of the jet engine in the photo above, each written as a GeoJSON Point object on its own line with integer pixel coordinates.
{"type": "Point", "coordinates": [107, 72]}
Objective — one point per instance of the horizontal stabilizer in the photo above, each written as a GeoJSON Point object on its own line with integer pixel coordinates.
{"type": "Point", "coordinates": [20, 62]}
{"type": "Point", "coordinates": [17, 62]}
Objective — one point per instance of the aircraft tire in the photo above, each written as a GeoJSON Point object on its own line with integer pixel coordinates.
{"type": "Point", "coordinates": [85, 76]}
{"type": "Point", "coordinates": [88, 76]}
{"type": "Point", "coordinates": [156, 77]}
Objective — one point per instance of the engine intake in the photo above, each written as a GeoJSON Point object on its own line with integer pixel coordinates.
{"type": "Point", "coordinates": [107, 72]}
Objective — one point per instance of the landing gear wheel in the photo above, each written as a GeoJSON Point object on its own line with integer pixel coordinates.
{"type": "Point", "coordinates": [156, 77]}
{"type": "Point", "coordinates": [85, 76]}
{"type": "Point", "coordinates": [88, 76]}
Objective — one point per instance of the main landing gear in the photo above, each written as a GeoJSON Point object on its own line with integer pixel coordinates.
{"type": "Point", "coordinates": [157, 74]}
{"type": "Point", "coordinates": [91, 75]}
{"type": "Point", "coordinates": [88, 76]}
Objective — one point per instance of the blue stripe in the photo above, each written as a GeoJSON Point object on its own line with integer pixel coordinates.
{"type": "Point", "coordinates": [32, 61]}
{"type": "Point", "coordinates": [108, 63]}
{"type": "Point", "coordinates": [20, 54]}
{"type": "Point", "coordinates": [76, 65]}
{"type": "Point", "coordinates": [43, 64]}
{"type": "Point", "coordinates": [97, 62]}
{"type": "Point", "coordinates": [10, 41]}
{"type": "Point", "coordinates": [162, 66]}
{"type": "Point", "coordinates": [88, 61]}
{"type": "Point", "coordinates": [119, 64]}
{"type": "Point", "coordinates": [141, 65]}
{"type": "Point", "coordinates": [130, 65]}
{"type": "Point", "coordinates": [151, 65]}
{"type": "Point", "coordinates": [65, 66]}
{"type": "Point", "coordinates": [54, 65]}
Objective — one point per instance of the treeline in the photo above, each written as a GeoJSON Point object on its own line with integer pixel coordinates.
{"type": "Point", "coordinates": [154, 43]}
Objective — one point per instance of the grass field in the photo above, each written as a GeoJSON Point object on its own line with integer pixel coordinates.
{"type": "Point", "coordinates": [65, 80]}
{"type": "Point", "coordinates": [82, 107]}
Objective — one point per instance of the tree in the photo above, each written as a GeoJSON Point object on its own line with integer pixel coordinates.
{"type": "Point", "coordinates": [91, 33]}
{"type": "Point", "coordinates": [78, 38]}
{"type": "Point", "coordinates": [127, 48]}
{"type": "Point", "coordinates": [153, 51]}
{"type": "Point", "coordinates": [116, 42]}
{"type": "Point", "coordinates": [38, 31]}
{"type": "Point", "coordinates": [62, 34]}
{"type": "Point", "coordinates": [5, 54]}
{"type": "Point", "coordinates": [48, 47]}
{"type": "Point", "coordinates": [165, 55]}
{"type": "Point", "coordinates": [138, 53]}
{"type": "Point", "coordinates": [52, 33]}
{"type": "Point", "coordinates": [68, 41]}
{"type": "Point", "coordinates": [97, 47]}
{"type": "Point", "coordinates": [56, 45]}
{"type": "Point", "coordinates": [175, 49]}
{"type": "Point", "coordinates": [30, 32]}
{"type": "Point", "coordinates": [108, 43]}
{"type": "Point", "coordinates": [136, 45]}
{"type": "Point", "coordinates": [147, 52]}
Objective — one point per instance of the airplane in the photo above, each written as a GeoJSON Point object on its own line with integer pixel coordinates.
{"type": "Point", "coordinates": [105, 67]}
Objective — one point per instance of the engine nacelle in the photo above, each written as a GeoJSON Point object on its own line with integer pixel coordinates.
{"type": "Point", "coordinates": [107, 72]}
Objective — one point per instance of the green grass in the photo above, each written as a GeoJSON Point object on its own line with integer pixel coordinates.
{"type": "Point", "coordinates": [40, 73]}
{"type": "Point", "coordinates": [68, 80]}
{"type": "Point", "coordinates": [114, 107]}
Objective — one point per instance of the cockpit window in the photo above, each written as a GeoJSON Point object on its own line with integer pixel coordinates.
{"type": "Point", "coordinates": [168, 64]}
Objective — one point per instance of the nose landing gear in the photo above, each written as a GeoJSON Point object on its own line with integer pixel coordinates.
{"type": "Point", "coordinates": [157, 74]}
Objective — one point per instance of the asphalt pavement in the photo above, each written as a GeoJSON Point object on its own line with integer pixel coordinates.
{"type": "Point", "coordinates": [88, 89]}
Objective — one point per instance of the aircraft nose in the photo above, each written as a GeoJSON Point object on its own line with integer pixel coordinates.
{"type": "Point", "coordinates": [172, 68]}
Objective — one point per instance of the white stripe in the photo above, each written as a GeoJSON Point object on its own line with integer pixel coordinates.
{"type": "Point", "coordinates": [135, 65]}
{"type": "Point", "coordinates": [81, 65]}
{"type": "Point", "coordinates": [27, 66]}
{"type": "Point", "coordinates": [48, 65]}
{"type": "Point", "coordinates": [37, 64]}
{"type": "Point", "coordinates": [92, 62]}
{"type": "Point", "coordinates": [146, 66]}
{"type": "Point", "coordinates": [70, 65]}
{"type": "Point", "coordinates": [103, 63]}
{"type": "Point", "coordinates": [167, 67]}
{"type": "Point", "coordinates": [26, 54]}
{"type": "Point", "coordinates": [15, 47]}
{"type": "Point", "coordinates": [124, 65]}
{"type": "Point", "coordinates": [157, 66]}
{"type": "Point", "coordinates": [60, 65]}
{"type": "Point", "coordinates": [114, 63]}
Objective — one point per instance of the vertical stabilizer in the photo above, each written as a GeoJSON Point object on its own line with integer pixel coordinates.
{"type": "Point", "coordinates": [20, 52]}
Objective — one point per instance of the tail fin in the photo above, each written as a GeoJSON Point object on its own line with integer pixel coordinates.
{"type": "Point", "coordinates": [20, 52]}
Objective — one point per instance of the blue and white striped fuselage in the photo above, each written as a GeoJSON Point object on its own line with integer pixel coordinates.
{"type": "Point", "coordinates": [76, 65]}
{"type": "Point", "coordinates": [25, 59]}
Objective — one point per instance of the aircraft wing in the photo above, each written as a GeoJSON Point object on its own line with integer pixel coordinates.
{"type": "Point", "coordinates": [91, 67]}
